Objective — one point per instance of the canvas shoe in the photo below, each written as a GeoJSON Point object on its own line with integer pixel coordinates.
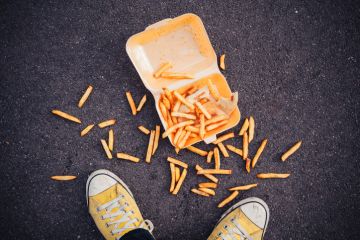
{"type": "Point", "coordinates": [112, 205]}
{"type": "Point", "coordinates": [247, 219]}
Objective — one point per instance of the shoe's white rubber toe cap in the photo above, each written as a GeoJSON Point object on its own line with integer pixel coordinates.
{"type": "Point", "coordinates": [100, 183]}
{"type": "Point", "coordinates": [257, 211]}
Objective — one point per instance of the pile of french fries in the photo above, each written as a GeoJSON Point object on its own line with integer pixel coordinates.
{"type": "Point", "coordinates": [185, 120]}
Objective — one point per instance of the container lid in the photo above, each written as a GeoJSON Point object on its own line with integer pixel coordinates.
{"type": "Point", "coordinates": [182, 41]}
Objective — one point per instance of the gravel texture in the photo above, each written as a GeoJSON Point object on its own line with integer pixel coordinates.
{"type": "Point", "coordinates": [295, 65]}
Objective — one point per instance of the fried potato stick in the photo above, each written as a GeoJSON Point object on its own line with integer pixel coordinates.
{"type": "Point", "coordinates": [86, 130]}
{"type": "Point", "coordinates": [289, 152]}
{"type": "Point", "coordinates": [258, 153]}
{"type": "Point", "coordinates": [85, 96]}
{"type": "Point", "coordinates": [180, 182]}
{"type": "Point", "coordinates": [66, 116]}
{"type": "Point", "coordinates": [228, 199]}
{"type": "Point", "coordinates": [127, 157]}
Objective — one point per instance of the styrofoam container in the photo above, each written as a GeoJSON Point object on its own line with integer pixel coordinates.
{"type": "Point", "coordinates": [183, 41]}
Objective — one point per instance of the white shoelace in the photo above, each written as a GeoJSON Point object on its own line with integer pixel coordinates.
{"type": "Point", "coordinates": [129, 223]}
{"type": "Point", "coordinates": [237, 230]}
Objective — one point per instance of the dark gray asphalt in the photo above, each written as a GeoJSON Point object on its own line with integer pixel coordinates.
{"type": "Point", "coordinates": [294, 63]}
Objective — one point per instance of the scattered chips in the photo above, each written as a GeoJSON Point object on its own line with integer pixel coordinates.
{"type": "Point", "coordinates": [131, 103]}
{"type": "Point", "coordinates": [85, 96]}
{"type": "Point", "coordinates": [63, 178]}
{"type": "Point", "coordinates": [289, 152]}
{"type": "Point", "coordinates": [127, 157]}
{"type": "Point", "coordinates": [66, 116]}
{"type": "Point", "coordinates": [107, 123]}
{"type": "Point", "coordinates": [86, 130]}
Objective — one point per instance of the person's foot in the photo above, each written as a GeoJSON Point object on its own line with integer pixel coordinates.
{"type": "Point", "coordinates": [112, 205]}
{"type": "Point", "coordinates": [247, 219]}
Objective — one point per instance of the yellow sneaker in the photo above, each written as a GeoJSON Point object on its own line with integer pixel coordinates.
{"type": "Point", "coordinates": [247, 219]}
{"type": "Point", "coordinates": [112, 205]}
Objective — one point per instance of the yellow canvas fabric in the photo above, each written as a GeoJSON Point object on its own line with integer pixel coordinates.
{"type": "Point", "coordinates": [106, 196]}
{"type": "Point", "coordinates": [225, 226]}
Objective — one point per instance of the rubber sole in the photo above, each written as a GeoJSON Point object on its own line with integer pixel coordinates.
{"type": "Point", "coordinates": [108, 173]}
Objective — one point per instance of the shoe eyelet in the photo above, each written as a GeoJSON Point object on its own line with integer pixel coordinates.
{"type": "Point", "coordinates": [225, 227]}
{"type": "Point", "coordinates": [219, 234]}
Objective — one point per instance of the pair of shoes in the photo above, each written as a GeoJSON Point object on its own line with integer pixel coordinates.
{"type": "Point", "coordinates": [115, 212]}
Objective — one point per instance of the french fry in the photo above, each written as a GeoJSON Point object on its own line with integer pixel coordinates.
{"type": "Point", "coordinates": [150, 146]}
{"type": "Point", "coordinates": [156, 139]}
{"type": "Point", "coordinates": [66, 116]}
{"type": "Point", "coordinates": [177, 135]}
{"type": "Point", "coordinates": [169, 95]}
{"type": "Point", "coordinates": [174, 120]}
{"type": "Point", "coordinates": [244, 127]}
{"type": "Point", "coordinates": [183, 140]}
{"type": "Point", "coordinates": [208, 191]}
{"type": "Point", "coordinates": [163, 110]}
{"type": "Point", "coordinates": [243, 188]}
{"type": "Point", "coordinates": [216, 125]}
{"type": "Point", "coordinates": [197, 151]}
{"type": "Point", "coordinates": [245, 145]}
{"type": "Point", "coordinates": [111, 140]}
{"type": "Point", "coordinates": [170, 123]}
{"type": "Point", "coordinates": [203, 100]}
{"type": "Point", "coordinates": [107, 123]}
{"type": "Point", "coordinates": [183, 115]}
{"type": "Point", "coordinates": [289, 152]}
{"type": "Point", "coordinates": [106, 148]}
{"type": "Point", "coordinates": [202, 126]}
{"type": "Point", "coordinates": [144, 129]}
{"type": "Point", "coordinates": [177, 106]}
{"type": "Point", "coordinates": [223, 149]}
{"type": "Point", "coordinates": [247, 165]}
{"type": "Point", "coordinates": [63, 178]}
{"type": "Point", "coordinates": [177, 174]}
{"type": "Point", "coordinates": [196, 191]}
{"type": "Point", "coordinates": [180, 182]}
{"type": "Point", "coordinates": [212, 89]}
{"type": "Point", "coordinates": [176, 126]}
{"type": "Point", "coordinates": [182, 135]}
{"type": "Point", "coordinates": [272, 175]}
{"type": "Point", "coordinates": [193, 135]}
{"type": "Point", "coordinates": [141, 103]}
{"type": "Point", "coordinates": [258, 153]}
{"type": "Point", "coordinates": [172, 171]}
{"type": "Point", "coordinates": [209, 156]}
{"type": "Point", "coordinates": [184, 101]}
{"type": "Point", "coordinates": [177, 162]}
{"type": "Point", "coordinates": [222, 62]}
{"type": "Point", "coordinates": [251, 129]}
{"type": "Point", "coordinates": [127, 157]}
{"type": "Point", "coordinates": [235, 150]}
{"type": "Point", "coordinates": [86, 130]}
{"type": "Point", "coordinates": [224, 137]}
{"type": "Point", "coordinates": [207, 185]}
{"type": "Point", "coordinates": [214, 171]}
{"type": "Point", "coordinates": [177, 150]}
{"type": "Point", "coordinates": [209, 176]}
{"type": "Point", "coordinates": [217, 158]}
{"type": "Point", "coordinates": [85, 96]}
{"type": "Point", "coordinates": [203, 110]}
{"type": "Point", "coordinates": [192, 129]}
{"type": "Point", "coordinates": [171, 75]}
{"type": "Point", "coordinates": [131, 103]}
{"type": "Point", "coordinates": [162, 68]}
{"type": "Point", "coordinates": [166, 102]}
{"type": "Point", "coordinates": [216, 119]}
{"type": "Point", "coordinates": [192, 90]}
{"type": "Point", "coordinates": [232, 196]}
